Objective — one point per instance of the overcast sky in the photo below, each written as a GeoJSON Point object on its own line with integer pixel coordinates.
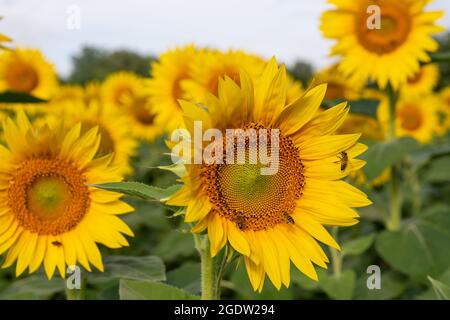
{"type": "Point", "coordinates": [288, 29]}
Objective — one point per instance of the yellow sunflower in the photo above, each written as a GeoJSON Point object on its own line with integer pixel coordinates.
{"type": "Point", "coordinates": [423, 82]}
{"type": "Point", "coordinates": [272, 219]}
{"type": "Point", "coordinates": [444, 111]}
{"type": "Point", "coordinates": [69, 93]}
{"type": "Point", "coordinates": [50, 213]}
{"type": "Point", "coordinates": [338, 85]}
{"type": "Point", "coordinates": [295, 89]}
{"type": "Point", "coordinates": [388, 49]}
{"type": "Point", "coordinates": [415, 117]}
{"type": "Point", "coordinates": [127, 92]}
{"type": "Point", "coordinates": [27, 71]}
{"type": "Point", "coordinates": [113, 127]}
{"type": "Point", "coordinates": [210, 65]}
{"type": "Point", "coordinates": [165, 86]}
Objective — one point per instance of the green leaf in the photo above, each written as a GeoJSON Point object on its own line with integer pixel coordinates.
{"type": "Point", "coordinates": [438, 170]}
{"type": "Point", "coordinates": [441, 290]}
{"type": "Point", "coordinates": [18, 97]}
{"type": "Point", "coordinates": [357, 246]}
{"type": "Point", "coordinates": [186, 277]}
{"type": "Point", "coordinates": [420, 247]}
{"type": "Point", "coordinates": [391, 287]}
{"type": "Point", "coordinates": [364, 106]}
{"type": "Point", "coordinates": [175, 245]}
{"type": "Point", "coordinates": [382, 155]}
{"type": "Point", "coordinates": [431, 294]}
{"type": "Point", "coordinates": [148, 268]}
{"type": "Point", "coordinates": [139, 190]}
{"type": "Point", "coordinates": [145, 290]}
{"type": "Point", "coordinates": [439, 57]}
{"type": "Point", "coordinates": [33, 287]}
{"type": "Point", "coordinates": [338, 287]}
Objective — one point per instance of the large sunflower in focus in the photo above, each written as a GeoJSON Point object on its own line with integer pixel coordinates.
{"type": "Point", "coordinates": [388, 52]}
{"type": "Point", "coordinates": [273, 219]}
{"type": "Point", "coordinates": [165, 87]}
{"type": "Point", "coordinates": [127, 92]}
{"type": "Point", "coordinates": [50, 213]}
{"type": "Point", "coordinates": [27, 71]}
{"type": "Point", "coordinates": [415, 117]}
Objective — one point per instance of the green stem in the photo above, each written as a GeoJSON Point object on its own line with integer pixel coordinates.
{"type": "Point", "coordinates": [440, 57]}
{"type": "Point", "coordinates": [209, 282]}
{"type": "Point", "coordinates": [395, 204]}
{"type": "Point", "coordinates": [336, 257]}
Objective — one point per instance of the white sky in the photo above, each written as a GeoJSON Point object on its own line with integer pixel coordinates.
{"type": "Point", "coordinates": [288, 29]}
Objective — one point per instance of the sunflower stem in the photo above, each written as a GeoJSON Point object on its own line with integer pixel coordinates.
{"type": "Point", "coordinates": [336, 257]}
{"type": "Point", "coordinates": [210, 284]}
{"type": "Point", "coordinates": [395, 205]}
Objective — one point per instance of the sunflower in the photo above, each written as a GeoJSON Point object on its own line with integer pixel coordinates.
{"type": "Point", "coordinates": [210, 65]}
{"type": "Point", "coordinates": [27, 71]}
{"type": "Point", "coordinates": [423, 82]}
{"type": "Point", "coordinates": [69, 93]}
{"type": "Point", "coordinates": [112, 126]}
{"type": "Point", "coordinates": [272, 219]}
{"type": "Point", "coordinates": [338, 85]}
{"type": "Point", "coordinates": [295, 89]}
{"type": "Point", "coordinates": [127, 92]}
{"type": "Point", "coordinates": [369, 127]}
{"type": "Point", "coordinates": [415, 117]}
{"type": "Point", "coordinates": [388, 52]}
{"type": "Point", "coordinates": [49, 210]}
{"type": "Point", "coordinates": [165, 86]}
{"type": "Point", "coordinates": [444, 111]}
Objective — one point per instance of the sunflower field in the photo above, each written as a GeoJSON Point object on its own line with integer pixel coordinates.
{"type": "Point", "coordinates": [161, 185]}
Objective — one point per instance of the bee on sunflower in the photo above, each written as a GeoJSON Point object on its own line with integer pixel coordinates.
{"type": "Point", "coordinates": [272, 220]}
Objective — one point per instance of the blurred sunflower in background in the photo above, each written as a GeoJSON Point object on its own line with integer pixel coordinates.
{"type": "Point", "coordinates": [210, 65]}
{"type": "Point", "coordinates": [128, 93]}
{"type": "Point", "coordinates": [272, 220]}
{"type": "Point", "coordinates": [444, 111]}
{"type": "Point", "coordinates": [415, 117]}
{"type": "Point", "coordinates": [50, 213]}
{"type": "Point", "coordinates": [165, 85]}
{"type": "Point", "coordinates": [27, 71]}
{"type": "Point", "coordinates": [339, 86]}
{"type": "Point", "coordinates": [369, 46]}
{"type": "Point", "coordinates": [112, 126]}
{"type": "Point", "coordinates": [422, 82]}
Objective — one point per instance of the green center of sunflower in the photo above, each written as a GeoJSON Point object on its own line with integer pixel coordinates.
{"type": "Point", "coordinates": [394, 29]}
{"type": "Point", "coordinates": [48, 196]}
{"type": "Point", "coordinates": [242, 194]}
{"type": "Point", "coordinates": [21, 77]}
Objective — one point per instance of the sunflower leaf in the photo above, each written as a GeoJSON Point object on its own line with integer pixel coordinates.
{"type": "Point", "coordinates": [420, 248]}
{"type": "Point", "coordinates": [441, 290]}
{"type": "Point", "coordinates": [339, 287]}
{"type": "Point", "coordinates": [139, 190]}
{"type": "Point", "coordinates": [150, 268]}
{"type": "Point", "coordinates": [365, 107]}
{"type": "Point", "coordinates": [382, 155]}
{"type": "Point", "coordinates": [358, 246]}
{"type": "Point", "coordinates": [146, 290]}
{"type": "Point", "coordinates": [19, 97]}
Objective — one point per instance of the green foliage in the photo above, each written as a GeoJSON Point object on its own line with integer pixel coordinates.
{"type": "Point", "coordinates": [96, 64]}
{"type": "Point", "coordinates": [302, 71]}
{"type": "Point", "coordinates": [338, 286]}
{"type": "Point", "coordinates": [146, 290]}
{"type": "Point", "coordinates": [18, 97]}
{"type": "Point", "coordinates": [382, 155]}
{"type": "Point", "coordinates": [139, 190]}
{"type": "Point", "coordinates": [420, 248]}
